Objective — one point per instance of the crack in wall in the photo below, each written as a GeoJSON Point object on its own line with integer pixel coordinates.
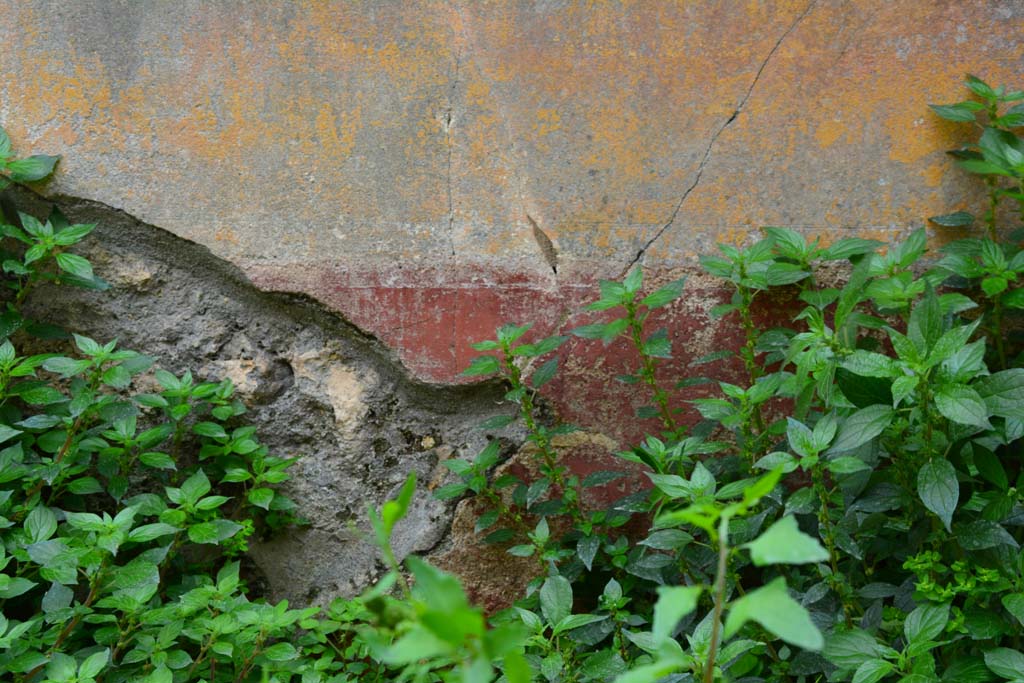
{"type": "Point", "coordinates": [714, 138]}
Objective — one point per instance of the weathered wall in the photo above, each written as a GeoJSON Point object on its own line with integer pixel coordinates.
{"type": "Point", "coordinates": [317, 388]}
{"type": "Point", "coordinates": [430, 169]}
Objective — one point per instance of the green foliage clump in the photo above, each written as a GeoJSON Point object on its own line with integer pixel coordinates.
{"type": "Point", "coordinates": [128, 495]}
{"type": "Point", "coordinates": [847, 506]}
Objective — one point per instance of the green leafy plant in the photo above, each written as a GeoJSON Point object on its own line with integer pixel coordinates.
{"type": "Point", "coordinates": [122, 513]}
{"type": "Point", "coordinates": [884, 540]}
{"type": "Point", "coordinates": [844, 505]}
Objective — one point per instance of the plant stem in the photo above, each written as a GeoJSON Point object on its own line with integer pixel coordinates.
{"type": "Point", "coordinates": [537, 435]}
{"type": "Point", "coordinates": [389, 557]}
{"type": "Point", "coordinates": [647, 368]}
{"type": "Point", "coordinates": [719, 593]}
{"type": "Point", "coordinates": [993, 207]}
{"type": "Point", "coordinates": [828, 535]}
{"type": "Point", "coordinates": [69, 627]}
{"type": "Point", "coordinates": [997, 330]}
{"type": "Point", "coordinates": [753, 420]}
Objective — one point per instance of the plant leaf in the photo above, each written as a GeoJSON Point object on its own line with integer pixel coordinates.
{"type": "Point", "coordinates": [674, 603]}
{"type": "Point", "coordinates": [555, 598]}
{"type": "Point", "coordinates": [862, 426]}
{"type": "Point", "coordinates": [784, 543]}
{"type": "Point", "coordinates": [939, 489]}
{"type": "Point", "coordinates": [773, 608]}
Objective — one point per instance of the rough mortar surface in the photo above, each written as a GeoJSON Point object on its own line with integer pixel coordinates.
{"type": "Point", "coordinates": [317, 387]}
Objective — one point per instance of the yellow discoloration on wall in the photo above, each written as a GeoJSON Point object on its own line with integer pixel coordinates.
{"type": "Point", "coordinates": [312, 130]}
{"type": "Point", "coordinates": [337, 143]}
{"type": "Point", "coordinates": [548, 121]}
{"type": "Point", "coordinates": [828, 132]}
{"type": "Point", "coordinates": [933, 174]}
{"type": "Point", "coordinates": [226, 234]}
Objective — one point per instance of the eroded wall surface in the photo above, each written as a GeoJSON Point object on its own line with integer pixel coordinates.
{"type": "Point", "coordinates": [427, 170]}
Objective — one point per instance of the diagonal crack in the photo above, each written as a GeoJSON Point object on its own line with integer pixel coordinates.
{"type": "Point", "coordinates": [714, 138]}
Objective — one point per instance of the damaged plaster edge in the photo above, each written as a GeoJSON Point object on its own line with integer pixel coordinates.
{"type": "Point", "coordinates": [163, 245]}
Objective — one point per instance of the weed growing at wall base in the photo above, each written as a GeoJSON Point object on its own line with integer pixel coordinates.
{"type": "Point", "coordinates": [842, 504]}
{"type": "Point", "coordinates": [846, 504]}
{"type": "Point", "coordinates": [127, 499]}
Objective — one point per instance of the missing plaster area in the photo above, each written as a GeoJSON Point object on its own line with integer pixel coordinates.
{"type": "Point", "coordinates": [317, 388]}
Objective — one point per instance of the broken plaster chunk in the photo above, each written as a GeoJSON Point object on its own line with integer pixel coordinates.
{"type": "Point", "coordinates": [342, 386]}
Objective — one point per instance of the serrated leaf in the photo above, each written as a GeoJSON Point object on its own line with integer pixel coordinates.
{"type": "Point", "coordinates": [522, 550]}
{"type": "Point", "coordinates": [939, 489]}
{"type": "Point", "coordinates": [1005, 662]}
{"type": "Point", "coordinates": [261, 497]}
{"type": "Point", "coordinates": [674, 603]}
{"type": "Point", "coordinates": [851, 649]}
{"type": "Point", "coordinates": [846, 465]}
{"type": "Point", "coordinates": [1002, 392]}
{"type": "Point", "coordinates": [784, 543]}
{"type": "Point", "coordinates": [213, 532]}
{"type": "Point", "coordinates": [482, 365]}
{"type": "Point", "coordinates": [31, 169]}
{"type": "Point", "coordinates": [158, 460]}
{"type": "Point", "coordinates": [960, 112]}
{"type": "Point", "coordinates": [574, 621]}
{"type": "Point", "coordinates": [779, 614]}
{"type": "Point", "coordinates": [1014, 604]}
{"type": "Point", "coordinates": [15, 587]}
{"type": "Point", "coordinates": [149, 532]}
{"type": "Point", "coordinates": [74, 264]}
{"type": "Point", "coordinates": [872, 671]}
{"type": "Point", "coordinates": [665, 295]}
{"type": "Point", "coordinates": [555, 598]}
{"type": "Point", "coordinates": [960, 403]}
{"type": "Point", "coordinates": [586, 549]}
{"type": "Point", "coordinates": [861, 427]}
{"type": "Point", "coordinates": [281, 652]}
{"type": "Point", "coordinates": [57, 597]}
{"type": "Point", "coordinates": [66, 367]}
{"type": "Point", "coordinates": [545, 373]}
{"type": "Point", "coordinates": [497, 422]}
{"type": "Point", "coordinates": [982, 534]}
{"type": "Point", "coordinates": [926, 623]}
{"type": "Point", "coordinates": [93, 664]}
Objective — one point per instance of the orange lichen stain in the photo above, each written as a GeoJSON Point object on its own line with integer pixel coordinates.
{"type": "Point", "coordinates": [64, 133]}
{"type": "Point", "coordinates": [337, 145]}
{"type": "Point", "coordinates": [548, 121]}
{"type": "Point", "coordinates": [933, 174]}
{"type": "Point", "coordinates": [828, 132]}
{"type": "Point", "coordinates": [735, 236]}
{"type": "Point", "coordinates": [226, 234]}
{"type": "Point", "coordinates": [503, 241]}
{"type": "Point", "coordinates": [478, 92]}
{"type": "Point", "coordinates": [655, 212]}
{"type": "Point", "coordinates": [618, 141]}
{"type": "Point", "coordinates": [592, 228]}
